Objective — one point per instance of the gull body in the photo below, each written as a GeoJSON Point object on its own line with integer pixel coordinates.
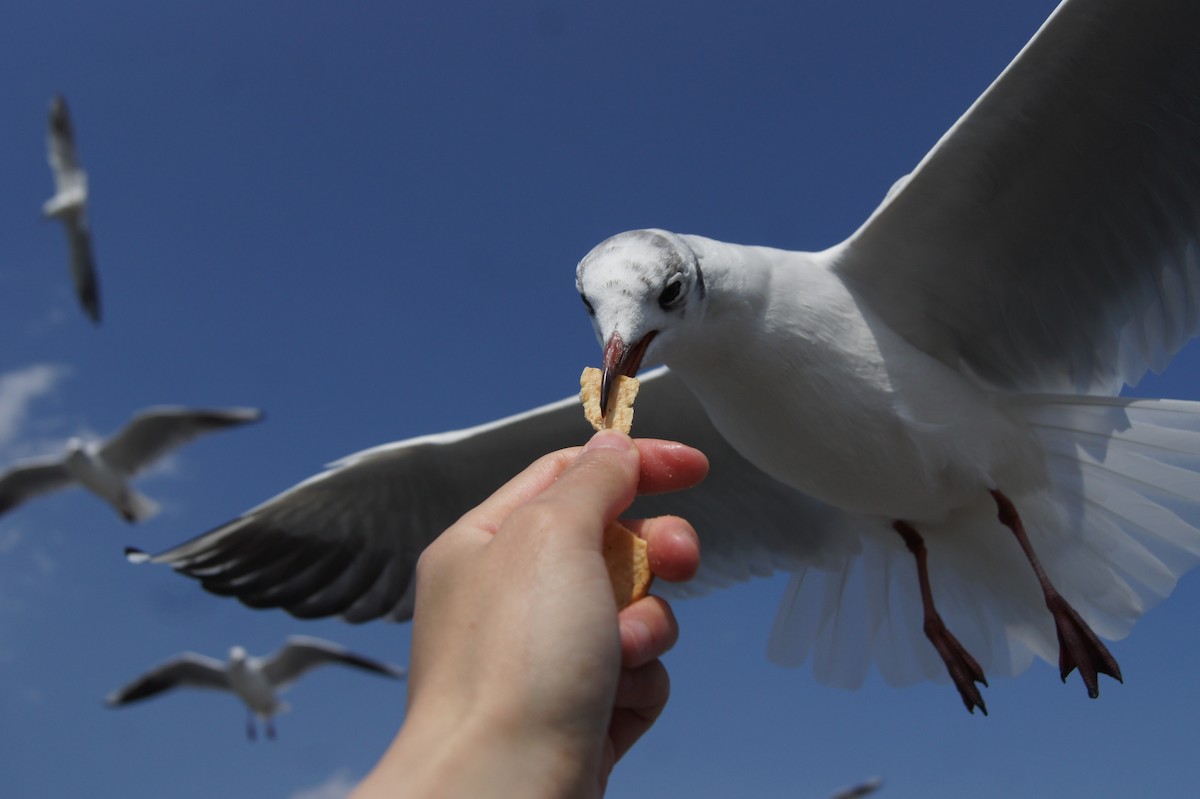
{"type": "Point", "coordinates": [69, 205]}
{"type": "Point", "coordinates": [105, 467]}
{"type": "Point", "coordinates": [922, 423]}
{"type": "Point", "coordinates": [256, 681]}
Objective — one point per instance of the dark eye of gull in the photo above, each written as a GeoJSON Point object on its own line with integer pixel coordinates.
{"type": "Point", "coordinates": [671, 294]}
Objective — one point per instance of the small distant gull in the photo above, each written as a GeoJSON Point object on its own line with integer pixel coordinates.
{"type": "Point", "coordinates": [69, 205]}
{"type": "Point", "coordinates": [105, 466]}
{"type": "Point", "coordinates": [257, 681]}
{"type": "Point", "coordinates": [864, 788]}
{"type": "Point", "coordinates": [922, 424]}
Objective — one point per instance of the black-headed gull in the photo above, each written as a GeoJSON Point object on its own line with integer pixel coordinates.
{"type": "Point", "coordinates": [920, 423]}
{"type": "Point", "coordinates": [257, 681]}
{"type": "Point", "coordinates": [69, 204]}
{"type": "Point", "coordinates": [105, 466]}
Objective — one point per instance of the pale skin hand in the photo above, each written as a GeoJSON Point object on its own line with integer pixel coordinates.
{"type": "Point", "coordinates": [524, 680]}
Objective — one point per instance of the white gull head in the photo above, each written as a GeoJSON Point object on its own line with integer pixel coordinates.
{"type": "Point", "coordinates": [644, 290]}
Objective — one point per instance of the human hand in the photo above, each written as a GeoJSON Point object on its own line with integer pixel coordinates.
{"type": "Point", "coordinates": [524, 679]}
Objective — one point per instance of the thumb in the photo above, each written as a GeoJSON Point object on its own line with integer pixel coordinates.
{"type": "Point", "coordinates": [602, 481]}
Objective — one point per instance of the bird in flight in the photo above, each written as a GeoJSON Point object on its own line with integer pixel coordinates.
{"type": "Point", "coordinates": [256, 681]}
{"type": "Point", "coordinates": [69, 205]}
{"type": "Point", "coordinates": [105, 466]}
{"type": "Point", "coordinates": [922, 423]}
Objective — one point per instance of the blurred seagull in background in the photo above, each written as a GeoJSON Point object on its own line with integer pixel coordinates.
{"type": "Point", "coordinates": [859, 790]}
{"type": "Point", "coordinates": [922, 424]}
{"type": "Point", "coordinates": [105, 466]}
{"type": "Point", "coordinates": [69, 205]}
{"type": "Point", "coordinates": [257, 681]}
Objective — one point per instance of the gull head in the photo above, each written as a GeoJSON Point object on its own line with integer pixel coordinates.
{"type": "Point", "coordinates": [642, 289]}
{"type": "Point", "coordinates": [237, 654]}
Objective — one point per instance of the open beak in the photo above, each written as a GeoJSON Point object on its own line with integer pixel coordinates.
{"type": "Point", "coordinates": [620, 359]}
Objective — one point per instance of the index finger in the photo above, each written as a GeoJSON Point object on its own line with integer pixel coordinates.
{"type": "Point", "coordinates": [665, 466]}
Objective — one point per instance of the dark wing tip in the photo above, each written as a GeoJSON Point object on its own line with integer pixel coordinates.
{"type": "Point", "coordinates": [135, 555]}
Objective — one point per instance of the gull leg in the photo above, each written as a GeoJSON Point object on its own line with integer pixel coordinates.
{"type": "Point", "coordinates": [251, 728]}
{"type": "Point", "coordinates": [963, 668]}
{"type": "Point", "coordinates": [1078, 646]}
{"type": "Point", "coordinates": [271, 728]}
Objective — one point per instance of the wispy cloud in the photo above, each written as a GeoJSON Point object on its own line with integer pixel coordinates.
{"type": "Point", "coordinates": [338, 786]}
{"type": "Point", "coordinates": [19, 389]}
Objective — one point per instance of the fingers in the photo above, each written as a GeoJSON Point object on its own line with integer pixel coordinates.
{"type": "Point", "coordinates": [673, 547]}
{"type": "Point", "coordinates": [664, 466]}
{"type": "Point", "coordinates": [642, 694]}
{"type": "Point", "coordinates": [648, 631]}
{"type": "Point", "coordinates": [669, 466]}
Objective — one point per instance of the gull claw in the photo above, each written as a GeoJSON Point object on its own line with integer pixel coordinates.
{"type": "Point", "coordinates": [1080, 648]}
{"type": "Point", "coordinates": [963, 668]}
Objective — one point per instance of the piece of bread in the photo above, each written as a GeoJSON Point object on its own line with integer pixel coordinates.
{"type": "Point", "coordinates": [628, 564]}
{"type": "Point", "coordinates": [624, 553]}
{"type": "Point", "coordinates": [620, 400]}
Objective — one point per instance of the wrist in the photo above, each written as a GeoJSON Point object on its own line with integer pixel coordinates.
{"type": "Point", "coordinates": [481, 755]}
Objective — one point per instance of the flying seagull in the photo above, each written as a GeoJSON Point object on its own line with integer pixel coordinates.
{"type": "Point", "coordinates": [105, 466]}
{"type": "Point", "coordinates": [257, 681]}
{"type": "Point", "coordinates": [921, 423]}
{"type": "Point", "coordinates": [69, 204]}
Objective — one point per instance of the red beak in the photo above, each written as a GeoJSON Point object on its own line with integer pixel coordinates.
{"type": "Point", "coordinates": [620, 359]}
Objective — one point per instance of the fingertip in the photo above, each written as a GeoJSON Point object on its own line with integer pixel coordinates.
{"type": "Point", "coordinates": [672, 547]}
{"type": "Point", "coordinates": [669, 465]}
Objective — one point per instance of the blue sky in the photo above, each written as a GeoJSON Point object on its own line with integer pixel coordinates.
{"type": "Point", "coordinates": [364, 218]}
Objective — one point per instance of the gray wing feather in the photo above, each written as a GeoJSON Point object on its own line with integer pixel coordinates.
{"type": "Point", "coordinates": [1049, 241]}
{"type": "Point", "coordinates": [188, 670]}
{"type": "Point", "coordinates": [60, 145]}
{"type": "Point", "coordinates": [154, 432]}
{"type": "Point", "coordinates": [345, 542]}
{"type": "Point", "coordinates": [31, 478]}
{"type": "Point", "coordinates": [303, 653]}
{"type": "Point", "coordinates": [83, 268]}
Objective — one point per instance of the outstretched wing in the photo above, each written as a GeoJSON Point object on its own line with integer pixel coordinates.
{"type": "Point", "coordinates": [345, 542]}
{"type": "Point", "coordinates": [30, 478]}
{"type": "Point", "coordinates": [154, 432]}
{"type": "Point", "coordinates": [60, 147]}
{"type": "Point", "coordinates": [186, 670]}
{"type": "Point", "coordinates": [302, 653]}
{"type": "Point", "coordinates": [1049, 241]}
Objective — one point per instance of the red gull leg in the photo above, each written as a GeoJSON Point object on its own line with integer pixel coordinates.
{"type": "Point", "coordinates": [251, 728]}
{"type": "Point", "coordinates": [963, 668]}
{"type": "Point", "coordinates": [1078, 646]}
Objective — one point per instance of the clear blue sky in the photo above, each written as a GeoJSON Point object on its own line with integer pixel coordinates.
{"type": "Point", "coordinates": [364, 218]}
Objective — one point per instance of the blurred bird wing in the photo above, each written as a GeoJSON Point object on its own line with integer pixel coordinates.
{"type": "Point", "coordinates": [189, 670]}
{"type": "Point", "coordinates": [302, 653]}
{"type": "Point", "coordinates": [83, 268]}
{"type": "Point", "coordinates": [1048, 242]}
{"type": "Point", "coordinates": [60, 148]}
{"type": "Point", "coordinates": [154, 432]}
{"type": "Point", "coordinates": [28, 479]}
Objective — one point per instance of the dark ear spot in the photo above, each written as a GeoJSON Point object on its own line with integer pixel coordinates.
{"type": "Point", "coordinates": [591, 311]}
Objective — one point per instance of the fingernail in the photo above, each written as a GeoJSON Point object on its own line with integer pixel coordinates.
{"type": "Point", "coordinates": [608, 439]}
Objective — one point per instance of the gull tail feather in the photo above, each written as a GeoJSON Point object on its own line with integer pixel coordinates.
{"type": "Point", "coordinates": [1126, 477]}
{"type": "Point", "coordinates": [137, 507]}
{"type": "Point", "coordinates": [1115, 526]}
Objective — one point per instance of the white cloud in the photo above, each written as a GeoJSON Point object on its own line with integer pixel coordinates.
{"type": "Point", "coordinates": [18, 389]}
{"type": "Point", "coordinates": [338, 786]}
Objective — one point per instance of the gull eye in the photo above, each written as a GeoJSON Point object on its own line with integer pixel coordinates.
{"type": "Point", "coordinates": [672, 293]}
{"type": "Point", "coordinates": [591, 311]}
